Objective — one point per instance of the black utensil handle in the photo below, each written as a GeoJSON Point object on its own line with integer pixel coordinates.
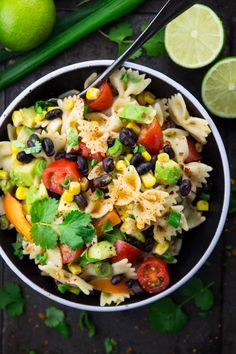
{"type": "Point", "coordinates": [169, 11]}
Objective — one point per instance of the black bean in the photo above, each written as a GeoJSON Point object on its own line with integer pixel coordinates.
{"type": "Point", "coordinates": [134, 242]}
{"type": "Point", "coordinates": [116, 279]}
{"type": "Point", "coordinates": [48, 146]}
{"type": "Point", "coordinates": [179, 181]}
{"type": "Point", "coordinates": [137, 159]}
{"type": "Point", "coordinates": [185, 187]}
{"type": "Point", "coordinates": [103, 181]}
{"type": "Point", "coordinates": [149, 240]}
{"type": "Point", "coordinates": [60, 155]}
{"type": "Point", "coordinates": [144, 168]}
{"type": "Point", "coordinates": [32, 140]}
{"type": "Point", "coordinates": [128, 137]}
{"type": "Point", "coordinates": [135, 286]}
{"type": "Point", "coordinates": [23, 157]}
{"type": "Point", "coordinates": [71, 157]}
{"type": "Point", "coordinates": [53, 195]}
{"type": "Point", "coordinates": [54, 113]}
{"type": "Point", "coordinates": [168, 150]}
{"type": "Point", "coordinates": [82, 165]}
{"type": "Point", "coordinates": [110, 141]}
{"type": "Point", "coordinates": [81, 201]}
{"type": "Point", "coordinates": [108, 164]}
{"type": "Point", "coordinates": [153, 161]}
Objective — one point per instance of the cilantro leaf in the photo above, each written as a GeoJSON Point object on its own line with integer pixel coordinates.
{"type": "Point", "coordinates": [114, 235]}
{"type": "Point", "coordinates": [17, 247]}
{"type": "Point", "coordinates": [72, 137]}
{"type": "Point", "coordinates": [54, 317]}
{"type": "Point", "coordinates": [155, 46]}
{"type": "Point", "coordinates": [166, 316]}
{"type": "Point", "coordinates": [41, 258]}
{"type": "Point", "coordinates": [204, 300]}
{"type": "Point", "coordinates": [15, 308]}
{"type": "Point", "coordinates": [119, 32]}
{"type": "Point", "coordinates": [110, 345]}
{"type": "Point", "coordinates": [64, 328]}
{"type": "Point", "coordinates": [99, 193]}
{"type": "Point", "coordinates": [85, 322]}
{"type": "Point", "coordinates": [41, 106]}
{"type": "Point", "coordinates": [122, 46]}
{"type": "Point", "coordinates": [11, 299]}
{"type": "Point", "coordinates": [107, 226]}
{"type": "Point", "coordinates": [44, 210]}
{"type": "Point", "coordinates": [34, 149]}
{"type": "Point", "coordinates": [43, 236]}
{"type": "Point", "coordinates": [192, 287]}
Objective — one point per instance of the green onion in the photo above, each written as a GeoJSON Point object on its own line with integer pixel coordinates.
{"type": "Point", "coordinates": [99, 193]}
{"type": "Point", "coordinates": [63, 288]}
{"type": "Point", "coordinates": [42, 258]}
{"type": "Point", "coordinates": [4, 222]}
{"type": "Point", "coordinates": [168, 257]}
{"type": "Point", "coordinates": [105, 14]}
{"type": "Point", "coordinates": [66, 183]}
{"type": "Point", "coordinates": [205, 196]}
{"type": "Point", "coordinates": [174, 219]}
{"type": "Point", "coordinates": [93, 163]}
{"type": "Point", "coordinates": [116, 149]}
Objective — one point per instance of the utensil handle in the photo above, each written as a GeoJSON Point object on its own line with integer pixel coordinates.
{"type": "Point", "coordinates": [169, 11]}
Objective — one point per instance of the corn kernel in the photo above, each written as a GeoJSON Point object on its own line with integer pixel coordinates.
{"type": "Point", "coordinates": [18, 129]}
{"type": "Point", "coordinates": [17, 118]}
{"type": "Point", "coordinates": [74, 188]}
{"type": "Point", "coordinates": [95, 123]}
{"type": "Point", "coordinates": [93, 93]}
{"type": "Point", "coordinates": [67, 196]}
{"type": "Point", "coordinates": [84, 184]}
{"type": "Point", "coordinates": [161, 248]}
{"type": "Point", "coordinates": [134, 127]}
{"type": "Point", "coordinates": [149, 97]}
{"type": "Point", "coordinates": [148, 180]}
{"type": "Point", "coordinates": [38, 118]}
{"type": "Point", "coordinates": [163, 157]}
{"type": "Point", "coordinates": [202, 205]}
{"type": "Point", "coordinates": [3, 174]}
{"type": "Point", "coordinates": [140, 99]}
{"type": "Point", "coordinates": [21, 193]}
{"type": "Point", "coordinates": [120, 165]}
{"type": "Point", "coordinates": [146, 156]}
{"type": "Point", "coordinates": [69, 104]}
{"type": "Point", "coordinates": [74, 268]}
{"type": "Point", "coordinates": [129, 157]}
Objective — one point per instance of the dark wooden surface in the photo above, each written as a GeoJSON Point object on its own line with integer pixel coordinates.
{"type": "Point", "coordinates": [214, 335]}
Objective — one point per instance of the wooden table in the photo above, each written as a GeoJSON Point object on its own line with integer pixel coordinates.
{"type": "Point", "coordinates": [213, 335]}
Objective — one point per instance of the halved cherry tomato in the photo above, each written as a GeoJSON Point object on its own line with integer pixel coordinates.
{"type": "Point", "coordinates": [193, 154]}
{"type": "Point", "coordinates": [104, 284]}
{"type": "Point", "coordinates": [112, 216]}
{"type": "Point", "coordinates": [14, 213]}
{"type": "Point", "coordinates": [104, 100]}
{"type": "Point", "coordinates": [153, 275]}
{"type": "Point", "coordinates": [151, 137]}
{"type": "Point", "coordinates": [55, 173]}
{"type": "Point", "coordinates": [68, 255]}
{"type": "Point", "coordinates": [125, 250]}
{"type": "Point", "coordinates": [86, 152]}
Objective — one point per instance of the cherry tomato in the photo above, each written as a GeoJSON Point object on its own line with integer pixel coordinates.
{"type": "Point", "coordinates": [193, 153]}
{"type": "Point", "coordinates": [104, 100]}
{"type": "Point", "coordinates": [153, 275]}
{"type": "Point", "coordinates": [151, 137]}
{"type": "Point", "coordinates": [125, 250]}
{"type": "Point", "coordinates": [86, 152]}
{"type": "Point", "coordinates": [55, 173]}
{"type": "Point", "coordinates": [68, 255]}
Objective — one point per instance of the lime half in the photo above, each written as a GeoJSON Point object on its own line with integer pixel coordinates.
{"type": "Point", "coordinates": [219, 88]}
{"type": "Point", "coordinates": [195, 38]}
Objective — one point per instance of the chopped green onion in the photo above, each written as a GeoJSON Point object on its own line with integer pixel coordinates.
{"type": "Point", "coordinates": [99, 193]}
{"type": "Point", "coordinates": [4, 222]}
{"type": "Point", "coordinates": [63, 288]}
{"type": "Point", "coordinates": [66, 183]}
{"type": "Point", "coordinates": [73, 138]}
{"type": "Point", "coordinates": [41, 258]}
{"type": "Point", "coordinates": [205, 196]}
{"type": "Point", "coordinates": [93, 163]}
{"type": "Point", "coordinates": [41, 106]}
{"type": "Point", "coordinates": [168, 257]}
{"type": "Point", "coordinates": [139, 148]}
{"type": "Point", "coordinates": [116, 149]}
{"type": "Point", "coordinates": [174, 219]}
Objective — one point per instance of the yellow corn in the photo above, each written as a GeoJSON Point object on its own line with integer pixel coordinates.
{"type": "Point", "coordinates": [148, 180]}
{"type": "Point", "coordinates": [17, 118]}
{"type": "Point", "coordinates": [14, 158]}
{"type": "Point", "coordinates": [93, 93]}
{"type": "Point", "coordinates": [146, 156]}
{"type": "Point", "coordinates": [202, 205]}
{"type": "Point", "coordinates": [74, 188]}
{"type": "Point", "coordinates": [69, 104]}
{"type": "Point", "coordinates": [21, 193]}
{"type": "Point", "coordinates": [67, 196]}
{"type": "Point", "coordinates": [3, 174]}
{"type": "Point", "coordinates": [129, 157]}
{"type": "Point", "coordinates": [161, 248]}
{"type": "Point", "coordinates": [149, 97]}
{"type": "Point", "coordinates": [134, 127]}
{"type": "Point", "coordinates": [163, 157]}
{"type": "Point", "coordinates": [38, 118]}
{"type": "Point", "coordinates": [74, 268]}
{"type": "Point", "coordinates": [120, 165]}
{"type": "Point", "coordinates": [84, 184]}
{"type": "Point", "coordinates": [140, 99]}
{"type": "Point", "coordinates": [18, 129]}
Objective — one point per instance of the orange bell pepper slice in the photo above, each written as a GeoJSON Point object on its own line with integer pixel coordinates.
{"type": "Point", "coordinates": [15, 214]}
{"type": "Point", "coordinates": [104, 284]}
{"type": "Point", "coordinates": [112, 216]}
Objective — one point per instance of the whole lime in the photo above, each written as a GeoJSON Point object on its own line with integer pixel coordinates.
{"type": "Point", "coordinates": [24, 24]}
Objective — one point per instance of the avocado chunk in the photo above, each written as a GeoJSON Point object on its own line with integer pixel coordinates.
{"type": "Point", "coordinates": [28, 115]}
{"type": "Point", "coordinates": [66, 207]}
{"type": "Point", "coordinates": [167, 173]}
{"type": "Point", "coordinates": [35, 193]}
{"type": "Point", "coordinates": [140, 114]}
{"type": "Point", "coordinates": [23, 175]}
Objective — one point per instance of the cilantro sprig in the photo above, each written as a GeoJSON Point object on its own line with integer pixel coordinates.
{"type": "Point", "coordinates": [55, 318]}
{"type": "Point", "coordinates": [110, 345]}
{"type": "Point", "coordinates": [86, 323]}
{"type": "Point", "coordinates": [74, 231]}
{"type": "Point", "coordinates": [11, 299]}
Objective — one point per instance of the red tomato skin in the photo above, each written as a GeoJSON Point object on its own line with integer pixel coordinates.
{"type": "Point", "coordinates": [86, 152]}
{"type": "Point", "coordinates": [57, 171]}
{"type": "Point", "coordinates": [125, 250]}
{"type": "Point", "coordinates": [193, 153]}
{"type": "Point", "coordinates": [151, 137]}
{"type": "Point", "coordinates": [152, 270]}
{"type": "Point", "coordinates": [104, 100]}
{"type": "Point", "coordinates": [68, 255]}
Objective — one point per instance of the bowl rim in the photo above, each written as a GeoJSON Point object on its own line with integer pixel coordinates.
{"type": "Point", "coordinates": [225, 164]}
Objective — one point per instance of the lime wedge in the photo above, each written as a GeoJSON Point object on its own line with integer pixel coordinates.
{"type": "Point", "coordinates": [195, 38]}
{"type": "Point", "coordinates": [219, 88]}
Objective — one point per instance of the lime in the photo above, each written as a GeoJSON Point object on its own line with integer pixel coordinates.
{"type": "Point", "coordinates": [195, 38]}
{"type": "Point", "coordinates": [24, 24]}
{"type": "Point", "coordinates": [219, 88]}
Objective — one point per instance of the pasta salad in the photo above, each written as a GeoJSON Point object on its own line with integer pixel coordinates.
{"type": "Point", "coordinates": [100, 190]}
